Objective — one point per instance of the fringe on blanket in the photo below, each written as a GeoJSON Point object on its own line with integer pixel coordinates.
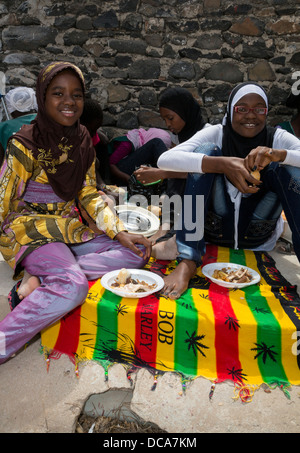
{"type": "Point", "coordinates": [242, 392]}
{"type": "Point", "coordinates": [207, 319]}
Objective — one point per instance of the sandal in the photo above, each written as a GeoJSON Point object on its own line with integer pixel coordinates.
{"type": "Point", "coordinates": [13, 298]}
{"type": "Point", "coordinates": [285, 247]}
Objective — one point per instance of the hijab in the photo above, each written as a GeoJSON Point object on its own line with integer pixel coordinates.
{"type": "Point", "coordinates": [21, 99]}
{"type": "Point", "coordinates": [236, 145]}
{"type": "Point", "coordinates": [65, 153]}
{"type": "Point", "coordinates": [182, 102]}
{"type": "Point", "coordinates": [293, 101]}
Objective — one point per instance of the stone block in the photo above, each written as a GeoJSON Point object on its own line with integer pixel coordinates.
{"type": "Point", "coordinates": [262, 71]}
{"type": "Point", "coordinates": [28, 37]}
{"type": "Point", "coordinates": [228, 72]}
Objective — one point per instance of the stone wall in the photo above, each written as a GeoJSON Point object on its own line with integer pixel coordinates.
{"type": "Point", "coordinates": [129, 50]}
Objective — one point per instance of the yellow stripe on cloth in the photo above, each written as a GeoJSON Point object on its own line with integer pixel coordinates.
{"type": "Point", "coordinates": [247, 332]}
{"type": "Point", "coordinates": [223, 255]}
{"type": "Point", "coordinates": [206, 318]}
{"type": "Point", "coordinates": [126, 310]}
{"type": "Point", "coordinates": [88, 322]}
{"type": "Point", "coordinates": [50, 335]}
{"type": "Point", "coordinates": [166, 329]}
{"type": "Point", "coordinates": [251, 260]}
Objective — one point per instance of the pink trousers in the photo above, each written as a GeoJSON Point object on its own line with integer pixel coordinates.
{"type": "Point", "coordinates": [64, 271]}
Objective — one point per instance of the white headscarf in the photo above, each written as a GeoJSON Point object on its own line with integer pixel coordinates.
{"type": "Point", "coordinates": [234, 144]}
{"type": "Point", "coordinates": [241, 91]}
{"type": "Point", "coordinates": [21, 99]}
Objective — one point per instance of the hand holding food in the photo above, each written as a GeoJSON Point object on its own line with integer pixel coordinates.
{"type": "Point", "coordinates": [260, 157]}
{"type": "Point", "coordinates": [255, 174]}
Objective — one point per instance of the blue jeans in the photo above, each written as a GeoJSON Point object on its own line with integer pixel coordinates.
{"type": "Point", "coordinates": [258, 213]}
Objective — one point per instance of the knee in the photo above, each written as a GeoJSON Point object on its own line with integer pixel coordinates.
{"type": "Point", "coordinates": [77, 287]}
{"type": "Point", "coordinates": [209, 149]}
{"type": "Point", "coordinates": [83, 290]}
{"type": "Point", "coordinates": [141, 261]}
{"type": "Point", "coordinates": [156, 141]}
{"type": "Point", "coordinates": [158, 144]}
{"type": "Point", "coordinates": [138, 262]}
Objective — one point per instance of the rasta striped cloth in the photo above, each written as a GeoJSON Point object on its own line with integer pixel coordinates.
{"type": "Point", "coordinates": [248, 336]}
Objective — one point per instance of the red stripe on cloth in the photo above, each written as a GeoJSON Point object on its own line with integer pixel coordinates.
{"type": "Point", "coordinates": [211, 254]}
{"type": "Point", "coordinates": [91, 283]}
{"type": "Point", "coordinates": [159, 267]}
{"type": "Point", "coordinates": [69, 331]}
{"type": "Point", "coordinates": [146, 329]}
{"type": "Point", "coordinates": [68, 336]}
{"type": "Point", "coordinates": [226, 334]}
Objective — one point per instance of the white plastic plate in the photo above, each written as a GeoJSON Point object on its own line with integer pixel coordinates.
{"type": "Point", "coordinates": [209, 269]}
{"type": "Point", "coordinates": [138, 220]}
{"type": "Point", "coordinates": [138, 274]}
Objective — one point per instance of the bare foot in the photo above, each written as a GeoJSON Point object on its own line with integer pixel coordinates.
{"type": "Point", "coordinates": [165, 250]}
{"type": "Point", "coordinates": [28, 284]}
{"type": "Point", "coordinates": [178, 281]}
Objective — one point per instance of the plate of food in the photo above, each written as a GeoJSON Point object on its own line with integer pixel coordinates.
{"type": "Point", "coordinates": [133, 283]}
{"type": "Point", "coordinates": [231, 275]}
{"type": "Point", "coordinates": [138, 220]}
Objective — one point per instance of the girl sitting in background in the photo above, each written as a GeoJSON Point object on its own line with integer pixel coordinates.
{"type": "Point", "coordinates": [137, 147]}
{"type": "Point", "coordinates": [183, 117]}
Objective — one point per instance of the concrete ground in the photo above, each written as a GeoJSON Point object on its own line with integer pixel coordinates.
{"type": "Point", "coordinates": [33, 400]}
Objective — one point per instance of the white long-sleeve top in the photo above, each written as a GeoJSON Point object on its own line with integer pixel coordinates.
{"type": "Point", "coordinates": [182, 158]}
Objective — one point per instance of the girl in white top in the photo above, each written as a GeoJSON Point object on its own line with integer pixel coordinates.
{"type": "Point", "coordinates": [240, 211]}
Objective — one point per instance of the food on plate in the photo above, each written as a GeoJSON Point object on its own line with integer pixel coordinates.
{"type": "Point", "coordinates": [234, 276]}
{"type": "Point", "coordinates": [122, 276]}
{"type": "Point", "coordinates": [126, 283]}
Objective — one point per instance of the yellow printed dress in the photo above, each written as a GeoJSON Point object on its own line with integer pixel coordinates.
{"type": "Point", "coordinates": [32, 215]}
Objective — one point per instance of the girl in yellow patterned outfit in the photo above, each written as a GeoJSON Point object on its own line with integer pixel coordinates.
{"type": "Point", "coordinates": [51, 163]}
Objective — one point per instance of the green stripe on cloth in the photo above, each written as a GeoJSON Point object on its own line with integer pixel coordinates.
{"type": "Point", "coordinates": [237, 257]}
{"type": "Point", "coordinates": [108, 326]}
{"type": "Point", "coordinates": [267, 349]}
{"type": "Point", "coordinates": [184, 332]}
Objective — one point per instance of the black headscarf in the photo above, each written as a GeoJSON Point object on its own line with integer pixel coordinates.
{"type": "Point", "coordinates": [293, 101]}
{"type": "Point", "coordinates": [234, 144]}
{"type": "Point", "coordinates": [182, 102]}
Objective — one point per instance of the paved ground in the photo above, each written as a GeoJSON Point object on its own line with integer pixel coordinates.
{"type": "Point", "coordinates": [34, 401]}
